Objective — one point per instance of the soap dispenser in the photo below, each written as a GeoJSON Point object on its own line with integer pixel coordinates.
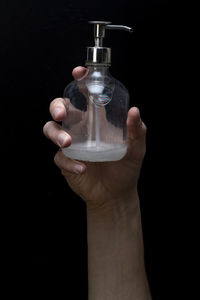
{"type": "Point", "coordinates": [97, 106]}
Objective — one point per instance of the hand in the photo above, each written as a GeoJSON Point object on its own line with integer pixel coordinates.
{"type": "Point", "coordinates": [99, 183]}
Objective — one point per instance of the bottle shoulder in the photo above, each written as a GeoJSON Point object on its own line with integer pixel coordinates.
{"type": "Point", "coordinates": [96, 84]}
{"type": "Point", "coordinates": [121, 86]}
{"type": "Point", "coordinates": [105, 77]}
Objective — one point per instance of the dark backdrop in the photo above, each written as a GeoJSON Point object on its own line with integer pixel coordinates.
{"type": "Point", "coordinates": [41, 42]}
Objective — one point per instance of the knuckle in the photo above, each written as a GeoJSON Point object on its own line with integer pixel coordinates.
{"type": "Point", "coordinates": [46, 128]}
{"type": "Point", "coordinates": [66, 103]}
{"type": "Point", "coordinates": [55, 102]}
{"type": "Point", "coordinates": [144, 127]}
{"type": "Point", "coordinates": [63, 172]}
{"type": "Point", "coordinates": [57, 159]}
{"type": "Point", "coordinates": [58, 100]}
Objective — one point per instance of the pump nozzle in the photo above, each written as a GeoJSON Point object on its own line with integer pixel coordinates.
{"type": "Point", "coordinates": [119, 27]}
{"type": "Point", "coordinates": [99, 54]}
{"type": "Point", "coordinates": [101, 26]}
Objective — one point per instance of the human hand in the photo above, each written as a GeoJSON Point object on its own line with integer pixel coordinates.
{"type": "Point", "coordinates": [99, 183]}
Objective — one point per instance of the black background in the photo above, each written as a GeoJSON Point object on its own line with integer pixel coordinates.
{"type": "Point", "coordinates": [41, 42]}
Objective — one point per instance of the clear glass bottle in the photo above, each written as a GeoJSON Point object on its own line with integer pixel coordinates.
{"type": "Point", "coordinates": [97, 107]}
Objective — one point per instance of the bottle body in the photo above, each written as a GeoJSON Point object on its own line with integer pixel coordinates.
{"type": "Point", "coordinates": [96, 117]}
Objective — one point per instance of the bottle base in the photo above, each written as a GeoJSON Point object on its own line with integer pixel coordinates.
{"type": "Point", "coordinates": [90, 151]}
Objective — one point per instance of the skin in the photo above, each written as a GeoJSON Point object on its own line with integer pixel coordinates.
{"type": "Point", "coordinates": [116, 267]}
{"type": "Point", "coordinates": [98, 184]}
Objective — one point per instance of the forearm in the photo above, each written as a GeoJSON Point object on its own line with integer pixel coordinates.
{"type": "Point", "coordinates": [115, 253]}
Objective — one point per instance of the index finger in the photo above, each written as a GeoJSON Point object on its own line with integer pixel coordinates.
{"type": "Point", "coordinates": [58, 108]}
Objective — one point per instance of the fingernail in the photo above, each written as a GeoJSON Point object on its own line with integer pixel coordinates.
{"type": "Point", "coordinates": [56, 112]}
{"type": "Point", "coordinates": [62, 139]}
{"type": "Point", "coordinates": [84, 75]}
{"type": "Point", "coordinates": [78, 169]}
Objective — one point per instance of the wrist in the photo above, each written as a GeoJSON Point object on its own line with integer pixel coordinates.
{"type": "Point", "coordinates": [123, 205]}
{"type": "Point", "coordinates": [116, 267]}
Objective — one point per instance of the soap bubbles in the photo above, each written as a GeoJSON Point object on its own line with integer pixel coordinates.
{"type": "Point", "coordinates": [104, 99]}
{"type": "Point", "coordinates": [100, 99]}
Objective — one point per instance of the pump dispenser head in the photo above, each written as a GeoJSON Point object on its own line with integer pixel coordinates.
{"type": "Point", "coordinates": [99, 54]}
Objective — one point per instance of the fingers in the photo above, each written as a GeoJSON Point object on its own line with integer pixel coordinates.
{"type": "Point", "coordinates": [136, 128]}
{"type": "Point", "coordinates": [68, 165]}
{"type": "Point", "coordinates": [58, 108]}
{"type": "Point", "coordinates": [54, 132]}
{"type": "Point", "coordinates": [79, 72]}
{"type": "Point", "coordinates": [136, 136]}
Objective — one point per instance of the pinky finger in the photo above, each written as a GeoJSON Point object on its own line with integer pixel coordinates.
{"type": "Point", "coordinates": [67, 164]}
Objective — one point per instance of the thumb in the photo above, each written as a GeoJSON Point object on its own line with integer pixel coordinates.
{"type": "Point", "coordinates": [79, 72]}
{"type": "Point", "coordinates": [136, 135]}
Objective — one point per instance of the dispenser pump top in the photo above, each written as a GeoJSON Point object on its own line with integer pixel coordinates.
{"type": "Point", "coordinates": [99, 54]}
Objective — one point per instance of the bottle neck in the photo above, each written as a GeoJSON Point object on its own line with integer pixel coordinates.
{"type": "Point", "coordinates": [103, 69]}
{"type": "Point", "coordinates": [98, 56]}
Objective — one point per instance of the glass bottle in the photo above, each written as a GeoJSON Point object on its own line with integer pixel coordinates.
{"type": "Point", "coordinates": [97, 106]}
